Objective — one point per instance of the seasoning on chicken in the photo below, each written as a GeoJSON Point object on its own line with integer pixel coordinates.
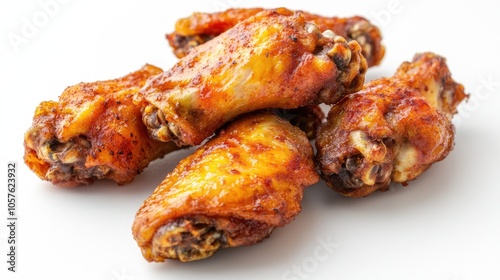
{"type": "Point", "coordinates": [392, 130]}
{"type": "Point", "coordinates": [232, 191]}
{"type": "Point", "coordinates": [94, 131]}
{"type": "Point", "coordinates": [275, 59]}
{"type": "Point", "coordinates": [199, 28]}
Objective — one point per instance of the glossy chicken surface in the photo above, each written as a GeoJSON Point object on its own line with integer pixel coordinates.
{"type": "Point", "coordinates": [392, 130]}
{"type": "Point", "coordinates": [232, 191]}
{"type": "Point", "coordinates": [275, 59]}
{"type": "Point", "coordinates": [199, 28]}
{"type": "Point", "coordinates": [93, 131]}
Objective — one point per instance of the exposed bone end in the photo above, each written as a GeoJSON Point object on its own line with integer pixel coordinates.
{"type": "Point", "coordinates": [358, 178]}
{"type": "Point", "coordinates": [369, 173]}
{"type": "Point", "coordinates": [438, 86]}
{"type": "Point", "coordinates": [312, 28]}
{"type": "Point", "coordinates": [32, 137]}
{"type": "Point", "coordinates": [351, 68]}
{"type": "Point", "coordinates": [341, 55]}
{"type": "Point", "coordinates": [187, 239]}
{"type": "Point", "coordinates": [366, 35]}
{"type": "Point", "coordinates": [340, 52]}
{"type": "Point", "coordinates": [373, 151]}
{"type": "Point", "coordinates": [405, 164]}
{"type": "Point", "coordinates": [366, 171]}
{"type": "Point", "coordinates": [63, 162]}
{"type": "Point", "coordinates": [158, 127]}
{"type": "Point", "coordinates": [329, 34]}
{"type": "Point", "coordinates": [68, 163]}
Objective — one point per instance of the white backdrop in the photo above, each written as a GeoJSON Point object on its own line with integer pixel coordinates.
{"type": "Point", "coordinates": [445, 225]}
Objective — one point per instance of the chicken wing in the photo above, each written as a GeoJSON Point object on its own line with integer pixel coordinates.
{"type": "Point", "coordinates": [94, 131]}
{"type": "Point", "coordinates": [392, 130]}
{"type": "Point", "coordinates": [275, 59]}
{"type": "Point", "coordinates": [232, 191]}
{"type": "Point", "coordinates": [202, 27]}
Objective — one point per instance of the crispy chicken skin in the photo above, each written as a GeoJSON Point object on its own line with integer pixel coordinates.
{"type": "Point", "coordinates": [202, 27]}
{"type": "Point", "coordinates": [232, 191]}
{"type": "Point", "coordinates": [94, 131]}
{"type": "Point", "coordinates": [275, 59]}
{"type": "Point", "coordinates": [392, 130]}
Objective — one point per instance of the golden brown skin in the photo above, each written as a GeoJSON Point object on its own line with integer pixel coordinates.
{"type": "Point", "coordinates": [93, 132]}
{"type": "Point", "coordinates": [232, 191]}
{"type": "Point", "coordinates": [275, 59]}
{"type": "Point", "coordinates": [392, 130]}
{"type": "Point", "coordinates": [202, 27]}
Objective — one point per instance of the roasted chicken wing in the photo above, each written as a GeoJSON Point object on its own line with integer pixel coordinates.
{"type": "Point", "coordinates": [392, 130]}
{"type": "Point", "coordinates": [94, 131]}
{"type": "Point", "coordinates": [201, 27]}
{"type": "Point", "coordinates": [232, 191]}
{"type": "Point", "coordinates": [275, 59]}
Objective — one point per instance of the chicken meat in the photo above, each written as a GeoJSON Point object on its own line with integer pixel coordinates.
{"type": "Point", "coordinates": [232, 191]}
{"type": "Point", "coordinates": [199, 28]}
{"type": "Point", "coordinates": [94, 131]}
{"type": "Point", "coordinates": [392, 130]}
{"type": "Point", "coordinates": [275, 59]}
